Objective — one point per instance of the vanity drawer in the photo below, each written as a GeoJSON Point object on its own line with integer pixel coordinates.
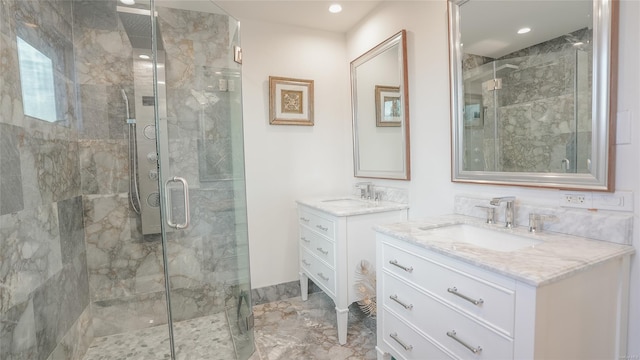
{"type": "Point", "coordinates": [490, 302]}
{"type": "Point", "coordinates": [404, 343]}
{"type": "Point", "coordinates": [321, 274]}
{"type": "Point", "coordinates": [318, 245]}
{"type": "Point", "coordinates": [436, 320]}
{"type": "Point", "coordinates": [318, 223]}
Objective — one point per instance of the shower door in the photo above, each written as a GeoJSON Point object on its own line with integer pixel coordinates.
{"type": "Point", "coordinates": [202, 182]}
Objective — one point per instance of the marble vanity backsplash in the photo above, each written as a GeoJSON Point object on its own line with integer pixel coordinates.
{"type": "Point", "coordinates": [392, 194]}
{"type": "Point", "coordinates": [616, 227]}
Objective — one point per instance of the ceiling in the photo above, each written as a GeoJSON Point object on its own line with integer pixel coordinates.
{"type": "Point", "coordinates": [489, 27]}
{"type": "Point", "coordinates": [312, 14]}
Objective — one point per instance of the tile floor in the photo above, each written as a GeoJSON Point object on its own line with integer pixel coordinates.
{"type": "Point", "coordinates": [284, 330]}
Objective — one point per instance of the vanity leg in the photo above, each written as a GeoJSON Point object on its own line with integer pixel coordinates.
{"type": "Point", "coordinates": [343, 316]}
{"type": "Point", "coordinates": [304, 286]}
{"type": "Point", "coordinates": [382, 355]}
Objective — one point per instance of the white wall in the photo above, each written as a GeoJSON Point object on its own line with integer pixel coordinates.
{"type": "Point", "coordinates": [284, 163]}
{"type": "Point", "coordinates": [430, 187]}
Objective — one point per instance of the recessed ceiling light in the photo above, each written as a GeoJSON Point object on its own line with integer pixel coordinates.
{"type": "Point", "coordinates": [335, 8]}
{"type": "Point", "coordinates": [143, 56]}
{"type": "Point", "coordinates": [524, 30]}
{"type": "Point", "coordinates": [128, 2]}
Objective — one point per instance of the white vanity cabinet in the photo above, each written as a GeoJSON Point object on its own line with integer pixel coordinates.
{"type": "Point", "coordinates": [433, 306]}
{"type": "Point", "coordinates": [332, 245]}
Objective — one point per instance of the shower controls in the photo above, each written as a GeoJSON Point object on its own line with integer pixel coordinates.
{"type": "Point", "coordinates": [152, 157]}
{"type": "Point", "coordinates": [150, 132]}
{"type": "Point", "coordinates": [153, 200]}
{"type": "Point", "coordinates": [151, 141]}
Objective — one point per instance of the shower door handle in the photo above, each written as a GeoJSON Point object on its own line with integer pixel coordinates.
{"type": "Point", "coordinates": [185, 189]}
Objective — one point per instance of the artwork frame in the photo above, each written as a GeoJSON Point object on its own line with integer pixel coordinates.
{"type": "Point", "coordinates": [290, 101]}
{"type": "Point", "coordinates": [388, 106]}
{"type": "Point", "coordinates": [473, 112]}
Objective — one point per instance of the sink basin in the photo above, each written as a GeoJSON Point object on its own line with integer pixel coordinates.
{"type": "Point", "coordinates": [346, 202]}
{"type": "Point", "coordinates": [482, 237]}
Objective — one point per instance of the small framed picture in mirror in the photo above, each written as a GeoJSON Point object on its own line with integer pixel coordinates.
{"type": "Point", "coordinates": [473, 112]}
{"type": "Point", "coordinates": [290, 101]}
{"type": "Point", "coordinates": [388, 106]}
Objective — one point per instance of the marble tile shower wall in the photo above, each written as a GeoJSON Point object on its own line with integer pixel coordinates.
{"type": "Point", "coordinates": [44, 291]}
{"type": "Point", "coordinates": [125, 268]}
{"type": "Point", "coordinates": [537, 126]}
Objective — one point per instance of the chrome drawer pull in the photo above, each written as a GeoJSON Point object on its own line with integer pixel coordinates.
{"type": "Point", "coordinates": [394, 262]}
{"type": "Point", "coordinates": [326, 252]}
{"type": "Point", "coordinates": [323, 277]}
{"type": "Point", "coordinates": [305, 239]}
{"type": "Point", "coordinates": [395, 298]}
{"type": "Point", "coordinates": [452, 334]}
{"type": "Point", "coordinates": [304, 219]}
{"type": "Point", "coordinates": [305, 262]}
{"type": "Point", "coordinates": [395, 337]}
{"type": "Point", "coordinates": [322, 227]}
{"type": "Point", "coordinates": [454, 291]}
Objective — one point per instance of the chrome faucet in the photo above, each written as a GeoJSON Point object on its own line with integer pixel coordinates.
{"type": "Point", "coordinates": [536, 221]}
{"type": "Point", "coordinates": [509, 212]}
{"type": "Point", "coordinates": [366, 190]}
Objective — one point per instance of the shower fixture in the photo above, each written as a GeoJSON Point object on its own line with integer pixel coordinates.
{"type": "Point", "coordinates": [143, 144]}
{"type": "Point", "coordinates": [134, 190]}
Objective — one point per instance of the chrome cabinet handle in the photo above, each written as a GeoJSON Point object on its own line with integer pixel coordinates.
{"type": "Point", "coordinates": [326, 252]}
{"type": "Point", "coordinates": [452, 334]}
{"type": "Point", "coordinates": [305, 262]}
{"type": "Point", "coordinates": [394, 262]}
{"type": "Point", "coordinates": [304, 219]}
{"type": "Point", "coordinates": [169, 215]}
{"type": "Point", "coordinates": [455, 292]}
{"type": "Point", "coordinates": [322, 227]}
{"type": "Point", "coordinates": [305, 239]}
{"type": "Point", "coordinates": [395, 298]}
{"type": "Point", "coordinates": [395, 337]}
{"type": "Point", "coordinates": [323, 277]}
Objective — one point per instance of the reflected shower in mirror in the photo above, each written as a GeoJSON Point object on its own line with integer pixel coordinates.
{"type": "Point", "coordinates": [524, 74]}
{"type": "Point", "coordinates": [380, 108]}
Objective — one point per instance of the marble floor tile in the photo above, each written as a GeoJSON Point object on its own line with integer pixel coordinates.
{"type": "Point", "coordinates": [295, 329]}
{"type": "Point", "coordinates": [284, 330]}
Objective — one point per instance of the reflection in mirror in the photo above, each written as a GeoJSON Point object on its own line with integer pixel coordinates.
{"type": "Point", "coordinates": [36, 79]}
{"type": "Point", "coordinates": [530, 95]}
{"type": "Point", "coordinates": [380, 110]}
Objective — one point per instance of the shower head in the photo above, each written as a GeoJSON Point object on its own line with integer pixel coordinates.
{"type": "Point", "coordinates": [137, 25]}
{"type": "Point", "coordinates": [124, 95]}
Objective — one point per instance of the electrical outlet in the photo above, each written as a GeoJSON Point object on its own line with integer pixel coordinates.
{"type": "Point", "coordinates": [576, 200]}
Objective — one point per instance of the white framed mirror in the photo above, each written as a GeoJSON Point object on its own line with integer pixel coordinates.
{"type": "Point", "coordinates": [533, 92]}
{"type": "Point", "coordinates": [380, 109]}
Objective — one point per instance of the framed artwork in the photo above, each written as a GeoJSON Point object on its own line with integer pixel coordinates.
{"type": "Point", "coordinates": [388, 106]}
{"type": "Point", "coordinates": [473, 113]}
{"type": "Point", "coordinates": [290, 101]}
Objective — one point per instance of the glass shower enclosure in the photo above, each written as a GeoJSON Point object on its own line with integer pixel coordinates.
{"type": "Point", "coordinates": [123, 221]}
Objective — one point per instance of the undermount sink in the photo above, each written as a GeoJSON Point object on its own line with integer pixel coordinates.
{"type": "Point", "coordinates": [346, 202]}
{"type": "Point", "coordinates": [482, 237]}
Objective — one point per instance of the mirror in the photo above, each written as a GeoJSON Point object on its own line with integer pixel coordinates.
{"type": "Point", "coordinates": [380, 108]}
{"type": "Point", "coordinates": [532, 96]}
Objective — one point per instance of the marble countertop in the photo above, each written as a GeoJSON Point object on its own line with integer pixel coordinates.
{"type": "Point", "coordinates": [557, 257]}
{"type": "Point", "coordinates": [351, 206]}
